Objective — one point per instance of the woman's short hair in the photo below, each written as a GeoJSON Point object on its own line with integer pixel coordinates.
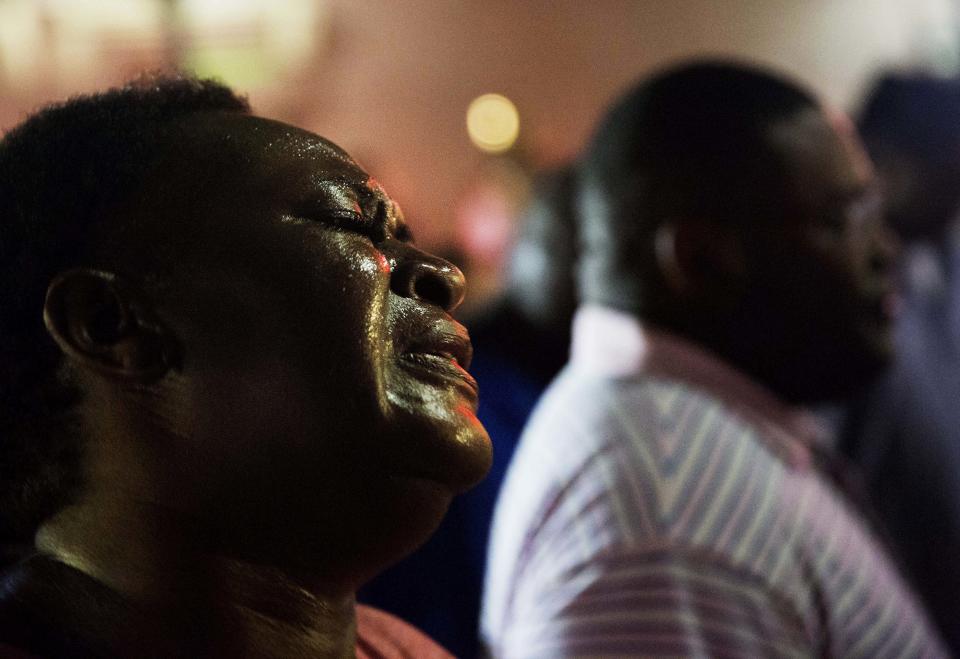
{"type": "Point", "coordinates": [60, 170]}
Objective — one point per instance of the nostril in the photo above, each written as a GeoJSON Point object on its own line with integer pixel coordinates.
{"type": "Point", "coordinates": [430, 280]}
{"type": "Point", "coordinates": [432, 288]}
{"type": "Point", "coordinates": [423, 281]}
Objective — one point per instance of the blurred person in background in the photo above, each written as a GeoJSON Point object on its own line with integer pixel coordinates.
{"type": "Point", "coordinates": [673, 495]}
{"type": "Point", "coordinates": [521, 341]}
{"type": "Point", "coordinates": [904, 433]}
{"type": "Point", "coordinates": [232, 390]}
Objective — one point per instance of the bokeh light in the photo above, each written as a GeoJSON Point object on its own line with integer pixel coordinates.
{"type": "Point", "coordinates": [493, 123]}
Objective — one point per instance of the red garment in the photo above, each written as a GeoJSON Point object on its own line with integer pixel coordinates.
{"type": "Point", "coordinates": [379, 636]}
{"type": "Point", "coordinates": [383, 636]}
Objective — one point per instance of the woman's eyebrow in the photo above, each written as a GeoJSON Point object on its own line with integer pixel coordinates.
{"type": "Point", "coordinates": [393, 215]}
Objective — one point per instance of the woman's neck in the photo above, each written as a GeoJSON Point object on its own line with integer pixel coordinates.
{"type": "Point", "coordinates": [178, 593]}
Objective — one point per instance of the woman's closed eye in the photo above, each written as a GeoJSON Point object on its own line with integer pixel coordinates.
{"type": "Point", "coordinates": [357, 222]}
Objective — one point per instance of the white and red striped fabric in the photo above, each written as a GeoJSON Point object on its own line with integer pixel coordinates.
{"type": "Point", "coordinates": [662, 504]}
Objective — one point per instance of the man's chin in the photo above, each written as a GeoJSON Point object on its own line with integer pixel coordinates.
{"type": "Point", "coordinates": [879, 351]}
{"type": "Point", "coordinates": [858, 370]}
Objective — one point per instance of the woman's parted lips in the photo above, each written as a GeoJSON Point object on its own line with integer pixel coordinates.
{"type": "Point", "coordinates": [447, 339]}
{"type": "Point", "coordinates": [439, 351]}
{"type": "Point", "coordinates": [445, 348]}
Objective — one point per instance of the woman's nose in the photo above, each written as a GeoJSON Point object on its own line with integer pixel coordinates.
{"type": "Point", "coordinates": [428, 278]}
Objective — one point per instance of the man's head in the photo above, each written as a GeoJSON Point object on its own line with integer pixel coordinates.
{"type": "Point", "coordinates": [250, 338]}
{"type": "Point", "coordinates": [910, 127]}
{"type": "Point", "coordinates": [725, 204]}
{"type": "Point", "coordinates": [540, 281]}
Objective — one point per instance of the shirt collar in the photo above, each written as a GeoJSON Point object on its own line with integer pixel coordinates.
{"type": "Point", "coordinates": [615, 344]}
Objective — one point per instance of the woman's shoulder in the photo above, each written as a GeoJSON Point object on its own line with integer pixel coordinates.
{"type": "Point", "coordinates": [30, 618]}
{"type": "Point", "coordinates": [381, 635]}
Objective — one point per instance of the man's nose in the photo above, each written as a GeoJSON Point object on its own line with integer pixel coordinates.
{"type": "Point", "coordinates": [427, 278]}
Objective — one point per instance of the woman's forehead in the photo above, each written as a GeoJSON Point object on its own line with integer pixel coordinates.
{"type": "Point", "coordinates": [270, 141]}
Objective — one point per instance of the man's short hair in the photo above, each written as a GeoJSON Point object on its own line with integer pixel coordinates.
{"type": "Point", "coordinates": [61, 171]}
{"type": "Point", "coordinates": [691, 142]}
{"type": "Point", "coordinates": [690, 135]}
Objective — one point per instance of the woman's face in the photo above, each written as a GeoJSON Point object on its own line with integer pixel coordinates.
{"type": "Point", "coordinates": [322, 416]}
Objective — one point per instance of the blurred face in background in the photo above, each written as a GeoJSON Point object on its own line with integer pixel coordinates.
{"type": "Point", "coordinates": [824, 280]}
{"type": "Point", "coordinates": [540, 279]}
{"type": "Point", "coordinates": [921, 194]}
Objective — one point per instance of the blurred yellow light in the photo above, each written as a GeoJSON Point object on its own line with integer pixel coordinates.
{"type": "Point", "coordinates": [493, 123]}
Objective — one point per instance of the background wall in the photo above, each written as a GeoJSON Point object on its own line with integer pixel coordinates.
{"type": "Point", "coordinates": [403, 73]}
{"type": "Point", "coordinates": [391, 80]}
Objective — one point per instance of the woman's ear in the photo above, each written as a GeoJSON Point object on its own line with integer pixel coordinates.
{"type": "Point", "coordinates": [699, 258]}
{"type": "Point", "coordinates": [100, 323]}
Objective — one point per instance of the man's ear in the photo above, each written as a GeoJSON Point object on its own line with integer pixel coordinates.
{"type": "Point", "coordinates": [101, 324]}
{"type": "Point", "coordinates": [699, 257]}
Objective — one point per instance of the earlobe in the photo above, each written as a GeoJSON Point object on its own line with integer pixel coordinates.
{"type": "Point", "coordinates": [100, 323]}
{"type": "Point", "coordinates": [698, 257]}
{"type": "Point", "coordinates": [668, 260]}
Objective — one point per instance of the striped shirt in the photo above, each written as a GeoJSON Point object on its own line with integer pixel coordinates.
{"type": "Point", "coordinates": [662, 504]}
